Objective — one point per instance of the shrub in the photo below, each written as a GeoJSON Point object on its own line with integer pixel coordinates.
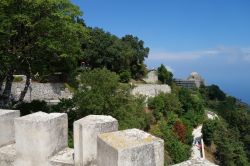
{"type": "Point", "coordinates": [180, 130]}
{"type": "Point", "coordinates": [176, 150]}
{"type": "Point", "coordinates": [157, 104]}
{"type": "Point", "coordinates": [100, 92]}
{"type": "Point", "coordinates": [208, 130]}
{"type": "Point", "coordinates": [18, 79]}
{"type": "Point", "coordinates": [125, 76]}
{"type": "Point", "coordinates": [165, 76]}
{"type": "Point", "coordinates": [32, 107]}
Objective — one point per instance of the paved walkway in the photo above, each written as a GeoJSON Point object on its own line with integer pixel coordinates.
{"type": "Point", "coordinates": [196, 148]}
{"type": "Point", "coordinates": [196, 158]}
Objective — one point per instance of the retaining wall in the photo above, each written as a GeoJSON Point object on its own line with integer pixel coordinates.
{"type": "Point", "coordinates": [41, 91]}
{"type": "Point", "coordinates": [150, 90]}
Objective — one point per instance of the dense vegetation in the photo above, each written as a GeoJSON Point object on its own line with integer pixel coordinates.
{"type": "Point", "coordinates": [230, 134]}
{"type": "Point", "coordinates": [39, 38]}
{"type": "Point", "coordinates": [124, 56]}
{"type": "Point", "coordinates": [176, 115]}
{"type": "Point", "coordinates": [164, 76]}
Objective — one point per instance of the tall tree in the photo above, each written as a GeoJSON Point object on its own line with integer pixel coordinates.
{"type": "Point", "coordinates": [139, 53]}
{"type": "Point", "coordinates": [165, 76]}
{"type": "Point", "coordinates": [100, 92]}
{"type": "Point", "coordinates": [125, 55]}
{"type": "Point", "coordinates": [215, 93]}
{"type": "Point", "coordinates": [36, 34]}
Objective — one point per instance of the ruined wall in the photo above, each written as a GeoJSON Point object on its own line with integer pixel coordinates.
{"type": "Point", "coordinates": [150, 90]}
{"type": "Point", "coordinates": [152, 77]}
{"type": "Point", "coordinates": [41, 91]}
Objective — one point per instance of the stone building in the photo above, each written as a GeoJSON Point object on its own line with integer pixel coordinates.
{"type": "Point", "coordinates": [185, 83]}
{"type": "Point", "coordinates": [152, 77]}
{"type": "Point", "coordinates": [194, 76]}
{"type": "Point", "coordinates": [194, 80]}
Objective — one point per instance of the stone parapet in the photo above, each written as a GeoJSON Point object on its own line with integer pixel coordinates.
{"type": "Point", "coordinates": [196, 162]}
{"type": "Point", "coordinates": [41, 139]}
{"type": "Point", "coordinates": [129, 148]}
{"type": "Point", "coordinates": [7, 130]}
{"type": "Point", "coordinates": [85, 137]}
{"type": "Point", "coordinates": [40, 136]}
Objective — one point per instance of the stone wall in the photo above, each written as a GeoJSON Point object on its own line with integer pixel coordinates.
{"type": "Point", "coordinates": [152, 77]}
{"type": "Point", "coordinates": [52, 92]}
{"type": "Point", "coordinates": [40, 139]}
{"type": "Point", "coordinates": [196, 162]}
{"type": "Point", "coordinates": [41, 91]}
{"type": "Point", "coordinates": [150, 90]}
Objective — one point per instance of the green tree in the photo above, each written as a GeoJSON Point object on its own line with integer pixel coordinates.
{"type": "Point", "coordinates": [97, 52]}
{"type": "Point", "coordinates": [38, 37]}
{"type": "Point", "coordinates": [230, 150]}
{"type": "Point", "coordinates": [192, 104]}
{"type": "Point", "coordinates": [100, 93]}
{"type": "Point", "coordinates": [125, 76]}
{"type": "Point", "coordinates": [215, 93]}
{"type": "Point", "coordinates": [126, 54]}
{"type": "Point", "coordinates": [208, 129]}
{"type": "Point", "coordinates": [98, 89]}
{"type": "Point", "coordinates": [157, 104]}
{"type": "Point", "coordinates": [165, 76]}
{"type": "Point", "coordinates": [139, 53]}
{"type": "Point", "coordinates": [164, 103]}
{"type": "Point", "coordinates": [176, 150]}
{"type": "Point", "coordinates": [173, 103]}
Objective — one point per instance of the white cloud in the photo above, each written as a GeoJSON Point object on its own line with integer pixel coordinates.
{"type": "Point", "coordinates": [232, 54]}
{"type": "Point", "coordinates": [169, 68]}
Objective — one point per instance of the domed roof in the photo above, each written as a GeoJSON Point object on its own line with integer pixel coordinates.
{"type": "Point", "coordinates": [195, 76]}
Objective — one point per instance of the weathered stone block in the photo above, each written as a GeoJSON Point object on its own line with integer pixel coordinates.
{"type": "Point", "coordinates": [129, 148]}
{"type": "Point", "coordinates": [7, 155]}
{"type": "Point", "coordinates": [39, 136]}
{"type": "Point", "coordinates": [85, 137]}
{"type": "Point", "coordinates": [7, 130]}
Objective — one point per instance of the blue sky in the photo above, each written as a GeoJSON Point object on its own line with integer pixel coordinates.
{"type": "Point", "coordinates": [211, 37]}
